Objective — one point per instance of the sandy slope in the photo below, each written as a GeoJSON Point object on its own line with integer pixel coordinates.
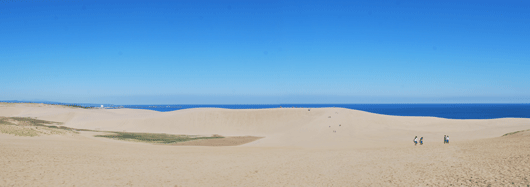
{"type": "Point", "coordinates": [299, 148]}
{"type": "Point", "coordinates": [296, 127]}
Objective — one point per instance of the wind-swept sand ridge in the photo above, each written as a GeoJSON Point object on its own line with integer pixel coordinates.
{"type": "Point", "coordinates": [281, 127]}
{"type": "Point", "coordinates": [299, 148]}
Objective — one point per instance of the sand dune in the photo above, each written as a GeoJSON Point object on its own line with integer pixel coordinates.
{"type": "Point", "coordinates": [281, 127]}
{"type": "Point", "coordinates": [298, 148]}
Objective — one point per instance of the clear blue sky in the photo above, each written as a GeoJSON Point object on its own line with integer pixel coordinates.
{"type": "Point", "coordinates": [262, 52]}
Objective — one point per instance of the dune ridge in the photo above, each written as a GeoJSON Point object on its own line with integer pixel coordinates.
{"type": "Point", "coordinates": [298, 148]}
{"type": "Point", "coordinates": [280, 126]}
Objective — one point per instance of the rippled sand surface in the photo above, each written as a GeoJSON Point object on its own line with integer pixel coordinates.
{"type": "Point", "coordinates": [321, 147]}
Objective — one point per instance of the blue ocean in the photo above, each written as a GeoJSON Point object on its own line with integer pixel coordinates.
{"type": "Point", "coordinates": [450, 111]}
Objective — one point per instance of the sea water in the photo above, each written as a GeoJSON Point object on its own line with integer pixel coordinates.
{"type": "Point", "coordinates": [450, 111]}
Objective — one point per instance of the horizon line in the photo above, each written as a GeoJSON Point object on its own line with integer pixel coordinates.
{"type": "Point", "coordinates": [61, 103]}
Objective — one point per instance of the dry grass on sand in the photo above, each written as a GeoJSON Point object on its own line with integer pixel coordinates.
{"type": "Point", "coordinates": [226, 141]}
{"type": "Point", "coordinates": [24, 126]}
{"type": "Point", "coordinates": [155, 137]}
{"type": "Point", "coordinates": [183, 140]}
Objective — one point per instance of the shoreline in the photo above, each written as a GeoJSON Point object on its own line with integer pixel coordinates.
{"type": "Point", "coordinates": [153, 108]}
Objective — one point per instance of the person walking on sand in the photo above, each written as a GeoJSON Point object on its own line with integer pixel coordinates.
{"type": "Point", "coordinates": [421, 141]}
{"type": "Point", "coordinates": [447, 139]}
{"type": "Point", "coordinates": [416, 140]}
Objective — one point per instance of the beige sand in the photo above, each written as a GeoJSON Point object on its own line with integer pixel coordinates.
{"type": "Point", "coordinates": [299, 148]}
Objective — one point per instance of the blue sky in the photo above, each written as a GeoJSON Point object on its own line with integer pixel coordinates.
{"type": "Point", "coordinates": [265, 52]}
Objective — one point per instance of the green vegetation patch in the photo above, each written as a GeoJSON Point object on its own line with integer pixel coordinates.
{"type": "Point", "coordinates": [25, 126]}
{"type": "Point", "coordinates": [4, 121]}
{"type": "Point", "coordinates": [31, 121]}
{"type": "Point", "coordinates": [511, 133]}
{"type": "Point", "coordinates": [18, 130]}
{"type": "Point", "coordinates": [154, 137]}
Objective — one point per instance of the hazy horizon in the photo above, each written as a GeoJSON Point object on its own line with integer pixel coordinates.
{"type": "Point", "coordinates": [239, 100]}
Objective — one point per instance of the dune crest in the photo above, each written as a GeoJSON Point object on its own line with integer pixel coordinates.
{"type": "Point", "coordinates": [321, 147]}
{"type": "Point", "coordinates": [280, 127]}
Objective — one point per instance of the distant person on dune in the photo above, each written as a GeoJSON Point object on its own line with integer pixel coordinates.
{"type": "Point", "coordinates": [421, 141]}
{"type": "Point", "coordinates": [416, 140]}
{"type": "Point", "coordinates": [447, 139]}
